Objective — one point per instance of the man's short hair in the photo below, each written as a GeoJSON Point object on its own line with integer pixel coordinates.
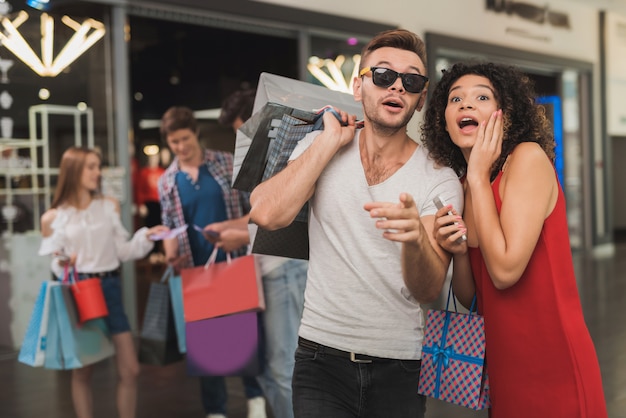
{"type": "Point", "coordinates": [395, 38]}
{"type": "Point", "coordinates": [238, 104]}
{"type": "Point", "coordinates": [175, 118]}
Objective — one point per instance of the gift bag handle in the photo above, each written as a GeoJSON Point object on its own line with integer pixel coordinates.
{"type": "Point", "coordinates": [473, 308]}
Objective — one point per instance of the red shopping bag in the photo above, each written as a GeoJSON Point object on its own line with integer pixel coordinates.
{"type": "Point", "coordinates": [224, 288]}
{"type": "Point", "coordinates": [88, 296]}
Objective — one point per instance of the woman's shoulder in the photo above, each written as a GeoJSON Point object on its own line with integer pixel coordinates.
{"type": "Point", "coordinates": [528, 153]}
{"type": "Point", "coordinates": [47, 219]}
{"type": "Point", "coordinates": [110, 203]}
{"type": "Point", "coordinates": [528, 163]}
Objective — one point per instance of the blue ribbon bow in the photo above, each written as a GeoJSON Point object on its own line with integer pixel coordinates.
{"type": "Point", "coordinates": [442, 355]}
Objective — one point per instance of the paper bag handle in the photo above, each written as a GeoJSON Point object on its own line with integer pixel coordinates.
{"type": "Point", "coordinates": [169, 272]}
{"type": "Point", "coordinates": [213, 256]}
{"type": "Point", "coordinates": [473, 308]}
{"type": "Point", "coordinates": [69, 276]}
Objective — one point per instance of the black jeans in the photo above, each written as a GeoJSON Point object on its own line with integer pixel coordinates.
{"type": "Point", "coordinates": [330, 386]}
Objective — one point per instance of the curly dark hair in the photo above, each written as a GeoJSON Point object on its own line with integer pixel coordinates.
{"type": "Point", "coordinates": [524, 120]}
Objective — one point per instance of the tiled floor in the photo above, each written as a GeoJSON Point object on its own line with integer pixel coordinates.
{"type": "Point", "coordinates": [166, 392]}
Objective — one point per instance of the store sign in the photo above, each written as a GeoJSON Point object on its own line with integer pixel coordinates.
{"type": "Point", "coordinates": [86, 34]}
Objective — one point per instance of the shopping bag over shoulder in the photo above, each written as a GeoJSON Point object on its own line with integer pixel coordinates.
{"type": "Point", "coordinates": [230, 345]}
{"type": "Point", "coordinates": [268, 145]}
{"type": "Point", "coordinates": [291, 241]}
{"type": "Point", "coordinates": [223, 288]}
{"type": "Point", "coordinates": [291, 93]}
{"type": "Point", "coordinates": [32, 351]}
{"type": "Point", "coordinates": [453, 359]}
{"type": "Point", "coordinates": [158, 340]}
{"type": "Point", "coordinates": [261, 130]}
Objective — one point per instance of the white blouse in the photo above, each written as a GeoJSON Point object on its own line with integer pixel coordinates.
{"type": "Point", "coordinates": [97, 237]}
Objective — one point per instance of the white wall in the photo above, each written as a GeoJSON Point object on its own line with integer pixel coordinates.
{"type": "Point", "coordinates": [469, 19]}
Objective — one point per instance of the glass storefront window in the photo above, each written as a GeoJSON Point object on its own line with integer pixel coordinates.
{"type": "Point", "coordinates": [334, 61]}
{"type": "Point", "coordinates": [42, 114]}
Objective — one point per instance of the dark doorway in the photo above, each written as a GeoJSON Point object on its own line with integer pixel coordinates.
{"type": "Point", "coordinates": [174, 63]}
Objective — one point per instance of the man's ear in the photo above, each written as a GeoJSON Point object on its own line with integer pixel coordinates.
{"type": "Point", "coordinates": [422, 99]}
{"type": "Point", "coordinates": [356, 88]}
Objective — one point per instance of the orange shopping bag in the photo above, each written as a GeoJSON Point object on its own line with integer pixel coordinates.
{"type": "Point", "coordinates": [224, 288]}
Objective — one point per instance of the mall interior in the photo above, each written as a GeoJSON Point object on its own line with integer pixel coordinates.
{"type": "Point", "coordinates": [100, 73]}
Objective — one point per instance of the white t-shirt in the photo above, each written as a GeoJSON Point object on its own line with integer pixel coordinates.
{"type": "Point", "coordinates": [355, 294]}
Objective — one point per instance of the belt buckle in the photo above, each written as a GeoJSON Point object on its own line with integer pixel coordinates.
{"type": "Point", "coordinates": [357, 360]}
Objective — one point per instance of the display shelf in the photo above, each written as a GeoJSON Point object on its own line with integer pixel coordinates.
{"type": "Point", "coordinates": [11, 143]}
{"type": "Point", "coordinates": [40, 172]}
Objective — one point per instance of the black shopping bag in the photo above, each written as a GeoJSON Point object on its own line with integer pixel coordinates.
{"type": "Point", "coordinates": [158, 343]}
{"type": "Point", "coordinates": [293, 240]}
{"type": "Point", "coordinates": [259, 132]}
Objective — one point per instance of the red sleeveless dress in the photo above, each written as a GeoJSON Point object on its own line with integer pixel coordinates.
{"type": "Point", "coordinates": [540, 357]}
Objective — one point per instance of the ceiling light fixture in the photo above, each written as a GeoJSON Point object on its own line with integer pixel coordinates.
{"type": "Point", "coordinates": [329, 72]}
{"type": "Point", "coordinates": [85, 36]}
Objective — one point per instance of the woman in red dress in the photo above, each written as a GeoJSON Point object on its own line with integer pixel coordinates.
{"type": "Point", "coordinates": [483, 121]}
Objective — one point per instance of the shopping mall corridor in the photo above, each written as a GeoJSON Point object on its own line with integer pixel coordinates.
{"type": "Point", "coordinates": [167, 392]}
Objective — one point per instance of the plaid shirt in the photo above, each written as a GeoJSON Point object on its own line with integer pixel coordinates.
{"type": "Point", "coordinates": [220, 166]}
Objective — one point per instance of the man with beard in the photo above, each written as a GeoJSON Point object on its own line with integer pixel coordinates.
{"type": "Point", "coordinates": [373, 258]}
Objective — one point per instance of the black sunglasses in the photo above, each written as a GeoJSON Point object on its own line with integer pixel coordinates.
{"type": "Point", "coordinates": [384, 77]}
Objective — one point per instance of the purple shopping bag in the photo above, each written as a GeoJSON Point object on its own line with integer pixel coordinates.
{"type": "Point", "coordinates": [228, 345]}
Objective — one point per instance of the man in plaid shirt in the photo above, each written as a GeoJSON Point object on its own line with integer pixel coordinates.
{"type": "Point", "coordinates": [195, 190]}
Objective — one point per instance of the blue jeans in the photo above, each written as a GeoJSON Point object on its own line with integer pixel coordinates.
{"type": "Point", "coordinates": [284, 301]}
{"type": "Point", "coordinates": [214, 394]}
{"type": "Point", "coordinates": [329, 386]}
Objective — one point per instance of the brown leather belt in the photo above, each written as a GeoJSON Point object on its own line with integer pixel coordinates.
{"type": "Point", "coordinates": [354, 357]}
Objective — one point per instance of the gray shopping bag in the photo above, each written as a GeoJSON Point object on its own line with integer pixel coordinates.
{"type": "Point", "coordinates": [300, 96]}
{"type": "Point", "coordinates": [277, 137]}
{"type": "Point", "coordinates": [261, 131]}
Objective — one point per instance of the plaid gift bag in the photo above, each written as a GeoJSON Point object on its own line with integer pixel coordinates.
{"type": "Point", "coordinates": [295, 97]}
{"type": "Point", "coordinates": [259, 132]}
{"type": "Point", "coordinates": [453, 358]}
{"type": "Point", "coordinates": [283, 114]}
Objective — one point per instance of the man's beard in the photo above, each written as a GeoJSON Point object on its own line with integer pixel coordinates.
{"type": "Point", "coordinates": [382, 127]}
{"type": "Point", "coordinates": [385, 128]}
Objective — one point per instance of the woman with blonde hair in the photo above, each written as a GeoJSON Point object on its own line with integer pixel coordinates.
{"type": "Point", "coordinates": [83, 230]}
